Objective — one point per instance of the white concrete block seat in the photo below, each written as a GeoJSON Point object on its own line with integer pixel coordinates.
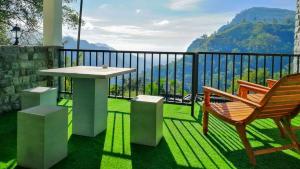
{"type": "Point", "coordinates": [38, 96]}
{"type": "Point", "coordinates": [146, 120]}
{"type": "Point", "coordinates": [42, 136]}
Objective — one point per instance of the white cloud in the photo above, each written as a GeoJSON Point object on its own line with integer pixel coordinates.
{"type": "Point", "coordinates": [93, 19]}
{"type": "Point", "coordinates": [183, 5]}
{"type": "Point", "coordinates": [129, 30]}
{"type": "Point", "coordinates": [138, 11]}
{"type": "Point", "coordinates": [161, 23]}
{"type": "Point", "coordinates": [147, 36]}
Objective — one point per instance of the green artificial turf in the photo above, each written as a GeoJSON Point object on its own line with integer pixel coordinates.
{"type": "Point", "coordinates": [183, 145]}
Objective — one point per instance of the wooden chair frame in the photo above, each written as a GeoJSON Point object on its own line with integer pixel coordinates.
{"type": "Point", "coordinates": [283, 120]}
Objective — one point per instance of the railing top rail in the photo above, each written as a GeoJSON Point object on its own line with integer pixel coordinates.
{"type": "Point", "coordinates": [186, 53]}
{"type": "Point", "coordinates": [127, 51]}
{"type": "Point", "coordinates": [249, 54]}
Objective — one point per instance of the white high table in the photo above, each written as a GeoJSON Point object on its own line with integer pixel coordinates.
{"type": "Point", "coordinates": [90, 93]}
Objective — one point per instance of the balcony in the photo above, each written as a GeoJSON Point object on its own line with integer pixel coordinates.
{"type": "Point", "coordinates": [179, 78]}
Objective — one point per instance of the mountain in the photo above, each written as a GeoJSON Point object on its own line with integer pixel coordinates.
{"type": "Point", "coordinates": [267, 15]}
{"type": "Point", "coordinates": [255, 30]}
{"type": "Point", "coordinates": [259, 30]}
{"type": "Point", "coordinates": [71, 43]}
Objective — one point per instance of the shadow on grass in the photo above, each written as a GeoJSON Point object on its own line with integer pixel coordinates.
{"type": "Point", "coordinates": [83, 152]}
{"type": "Point", "coordinates": [257, 136]}
{"type": "Point", "coordinates": [152, 157]}
{"type": "Point", "coordinates": [8, 139]}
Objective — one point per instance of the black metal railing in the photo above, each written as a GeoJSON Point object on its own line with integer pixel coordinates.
{"type": "Point", "coordinates": [178, 76]}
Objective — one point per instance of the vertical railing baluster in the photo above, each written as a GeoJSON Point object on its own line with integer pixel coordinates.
{"type": "Point", "coordinates": [116, 78]}
{"type": "Point", "coordinates": [298, 64]}
{"type": "Point", "coordinates": [59, 78]}
{"type": "Point", "coordinates": [183, 73]}
{"type": "Point", "coordinates": [71, 66]}
{"type": "Point", "coordinates": [90, 58]}
{"type": "Point", "coordinates": [175, 72]}
{"type": "Point", "coordinates": [272, 66]}
{"type": "Point", "coordinates": [137, 74]}
{"type": "Point", "coordinates": [226, 69]}
{"type": "Point", "coordinates": [241, 66]}
{"type": "Point", "coordinates": [167, 77]}
{"type": "Point", "coordinates": [249, 67]}
{"type": "Point", "coordinates": [83, 58]}
{"type": "Point", "coordinates": [109, 64]}
{"type": "Point", "coordinates": [159, 70]}
{"type": "Point", "coordinates": [233, 74]}
{"type": "Point", "coordinates": [65, 78]}
{"type": "Point", "coordinates": [281, 67]}
{"type": "Point", "coordinates": [123, 77]}
{"type": "Point", "coordinates": [212, 70]}
{"type": "Point", "coordinates": [289, 64]}
{"type": "Point", "coordinates": [195, 64]}
{"type": "Point", "coordinates": [144, 81]}
{"type": "Point", "coordinates": [204, 67]}
{"type": "Point", "coordinates": [97, 59]}
{"type": "Point", "coordinates": [103, 58]}
{"type": "Point", "coordinates": [265, 65]}
{"type": "Point", "coordinates": [130, 65]}
{"type": "Point", "coordinates": [151, 74]}
{"type": "Point", "coordinates": [219, 70]}
{"type": "Point", "coordinates": [256, 68]}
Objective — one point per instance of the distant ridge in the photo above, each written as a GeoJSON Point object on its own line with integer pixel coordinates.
{"type": "Point", "coordinates": [258, 30]}
{"type": "Point", "coordinates": [266, 15]}
{"type": "Point", "coordinates": [71, 43]}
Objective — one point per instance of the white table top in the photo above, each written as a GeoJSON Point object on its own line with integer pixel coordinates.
{"type": "Point", "coordinates": [147, 98]}
{"type": "Point", "coordinates": [87, 72]}
{"type": "Point", "coordinates": [39, 90]}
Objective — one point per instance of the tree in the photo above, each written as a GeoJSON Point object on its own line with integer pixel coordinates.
{"type": "Point", "coordinates": [28, 13]}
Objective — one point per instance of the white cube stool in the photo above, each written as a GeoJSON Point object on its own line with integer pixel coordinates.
{"type": "Point", "coordinates": [42, 136]}
{"type": "Point", "coordinates": [146, 120]}
{"type": "Point", "coordinates": [38, 96]}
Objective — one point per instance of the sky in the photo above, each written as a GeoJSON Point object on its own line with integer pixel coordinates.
{"type": "Point", "coordinates": [159, 25]}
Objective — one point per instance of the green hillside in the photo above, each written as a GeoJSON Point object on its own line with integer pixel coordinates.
{"type": "Point", "coordinates": [256, 30]}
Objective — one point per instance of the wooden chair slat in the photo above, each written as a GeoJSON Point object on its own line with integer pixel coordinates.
{"type": "Point", "coordinates": [287, 88]}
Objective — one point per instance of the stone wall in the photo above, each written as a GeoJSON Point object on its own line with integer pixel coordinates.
{"type": "Point", "coordinates": [18, 71]}
{"type": "Point", "coordinates": [297, 35]}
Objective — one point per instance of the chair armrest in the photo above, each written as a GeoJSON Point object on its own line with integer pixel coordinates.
{"type": "Point", "coordinates": [208, 91]}
{"type": "Point", "coordinates": [271, 82]}
{"type": "Point", "coordinates": [245, 89]}
{"type": "Point", "coordinates": [252, 84]}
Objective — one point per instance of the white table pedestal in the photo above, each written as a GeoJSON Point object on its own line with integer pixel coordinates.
{"type": "Point", "coordinates": [89, 106]}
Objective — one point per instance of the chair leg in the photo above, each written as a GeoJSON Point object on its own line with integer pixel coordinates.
{"type": "Point", "coordinates": [205, 122]}
{"type": "Point", "coordinates": [286, 123]}
{"type": "Point", "coordinates": [281, 129]}
{"type": "Point", "coordinates": [241, 129]}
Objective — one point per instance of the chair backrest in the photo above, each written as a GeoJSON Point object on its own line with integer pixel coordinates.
{"type": "Point", "coordinates": [283, 98]}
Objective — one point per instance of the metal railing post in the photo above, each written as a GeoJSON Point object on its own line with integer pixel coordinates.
{"type": "Point", "coordinates": [195, 64]}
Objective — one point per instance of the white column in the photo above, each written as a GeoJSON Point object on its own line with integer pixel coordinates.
{"type": "Point", "coordinates": [52, 24]}
{"type": "Point", "coordinates": [297, 37]}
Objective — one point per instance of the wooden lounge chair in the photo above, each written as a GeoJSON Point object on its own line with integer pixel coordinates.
{"type": "Point", "coordinates": [280, 102]}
